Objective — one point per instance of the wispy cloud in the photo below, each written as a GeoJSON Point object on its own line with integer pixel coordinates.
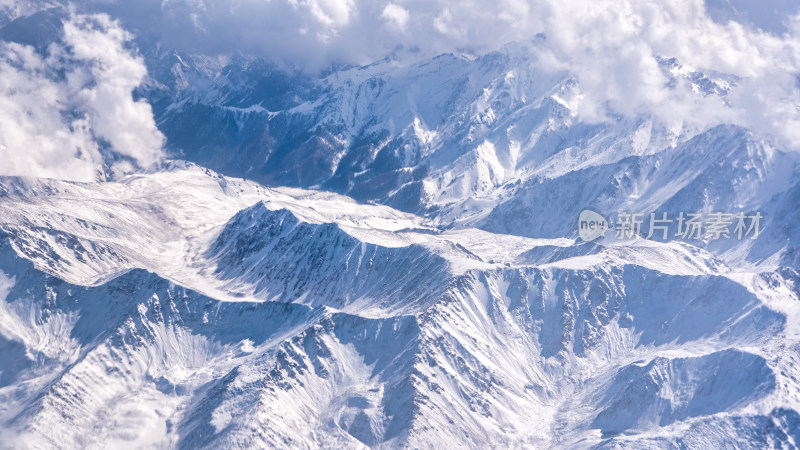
{"type": "Point", "coordinates": [612, 47]}
{"type": "Point", "coordinates": [62, 112]}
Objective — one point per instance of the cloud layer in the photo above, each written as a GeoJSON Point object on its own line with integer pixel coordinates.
{"type": "Point", "coordinates": [64, 114]}
{"type": "Point", "coordinates": [610, 46]}
{"type": "Point", "coordinates": [67, 112]}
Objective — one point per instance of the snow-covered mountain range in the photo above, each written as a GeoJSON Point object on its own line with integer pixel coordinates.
{"type": "Point", "coordinates": [163, 310]}
{"type": "Point", "coordinates": [388, 256]}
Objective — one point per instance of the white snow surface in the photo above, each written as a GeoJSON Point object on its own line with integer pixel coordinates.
{"type": "Point", "coordinates": [185, 309]}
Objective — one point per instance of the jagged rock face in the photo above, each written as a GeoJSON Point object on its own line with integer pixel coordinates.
{"type": "Point", "coordinates": [286, 259]}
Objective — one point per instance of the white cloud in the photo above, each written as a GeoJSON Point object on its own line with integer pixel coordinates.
{"type": "Point", "coordinates": [610, 46]}
{"type": "Point", "coordinates": [34, 139]}
{"type": "Point", "coordinates": [14, 8]}
{"type": "Point", "coordinates": [396, 14]}
{"type": "Point", "coordinates": [59, 113]}
{"type": "Point", "coordinates": [128, 125]}
{"type": "Point", "coordinates": [612, 49]}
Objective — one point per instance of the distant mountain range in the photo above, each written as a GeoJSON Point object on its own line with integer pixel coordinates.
{"type": "Point", "coordinates": [388, 256]}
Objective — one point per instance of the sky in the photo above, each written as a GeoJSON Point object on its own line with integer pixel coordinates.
{"type": "Point", "coordinates": [611, 48]}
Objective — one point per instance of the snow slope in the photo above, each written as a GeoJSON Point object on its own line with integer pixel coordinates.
{"type": "Point", "coordinates": [186, 309]}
